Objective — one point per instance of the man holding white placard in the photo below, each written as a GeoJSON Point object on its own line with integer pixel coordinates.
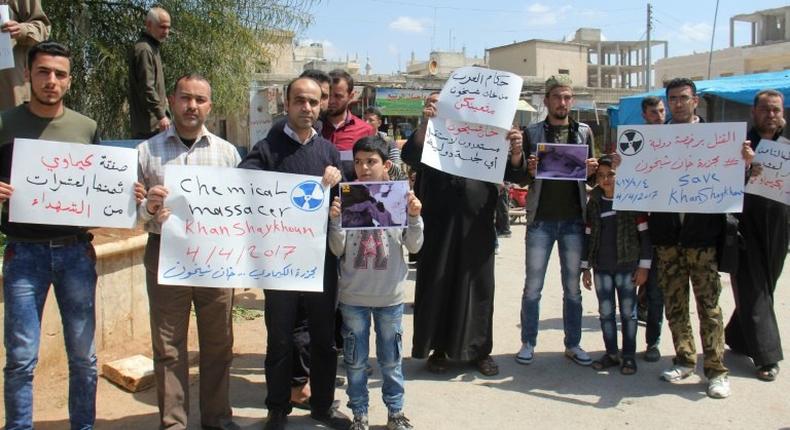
{"type": "Point", "coordinates": [685, 248]}
{"type": "Point", "coordinates": [294, 146]}
{"type": "Point", "coordinates": [27, 25]}
{"type": "Point", "coordinates": [753, 328]}
{"type": "Point", "coordinates": [38, 255]}
{"type": "Point", "coordinates": [186, 142]}
{"type": "Point", "coordinates": [555, 212]}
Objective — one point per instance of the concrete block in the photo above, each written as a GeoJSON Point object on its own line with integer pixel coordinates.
{"type": "Point", "coordinates": [135, 373]}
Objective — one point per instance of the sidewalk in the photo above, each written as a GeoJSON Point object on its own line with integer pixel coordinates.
{"type": "Point", "coordinates": [552, 392]}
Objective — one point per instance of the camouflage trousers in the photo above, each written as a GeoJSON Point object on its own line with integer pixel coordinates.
{"type": "Point", "coordinates": [676, 265]}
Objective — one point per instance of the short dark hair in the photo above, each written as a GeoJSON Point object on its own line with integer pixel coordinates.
{"type": "Point", "coordinates": [339, 74]}
{"type": "Point", "coordinates": [769, 93]}
{"type": "Point", "coordinates": [375, 144]}
{"type": "Point", "coordinates": [190, 77]}
{"type": "Point", "coordinates": [47, 47]}
{"type": "Point", "coordinates": [681, 82]}
{"type": "Point", "coordinates": [650, 101]}
{"type": "Point", "coordinates": [606, 160]}
{"type": "Point", "coordinates": [319, 76]}
{"type": "Point", "coordinates": [373, 110]}
{"type": "Point", "coordinates": [288, 87]}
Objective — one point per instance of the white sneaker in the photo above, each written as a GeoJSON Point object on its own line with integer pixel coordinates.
{"type": "Point", "coordinates": [578, 355]}
{"type": "Point", "coordinates": [676, 373]}
{"type": "Point", "coordinates": [525, 354]}
{"type": "Point", "coordinates": [719, 387]}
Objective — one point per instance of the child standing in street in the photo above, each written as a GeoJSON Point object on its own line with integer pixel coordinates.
{"type": "Point", "coordinates": [617, 247]}
{"type": "Point", "coordinates": [372, 268]}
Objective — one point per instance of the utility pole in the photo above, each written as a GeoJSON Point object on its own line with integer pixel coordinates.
{"type": "Point", "coordinates": [647, 51]}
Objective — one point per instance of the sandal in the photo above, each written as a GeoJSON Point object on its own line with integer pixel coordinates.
{"type": "Point", "coordinates": [605, 362]}
{"type": "Point", "coordinates": [487, 366]}
{"type": "Point", "coordinates": [437, 362]}
{"type": "Point", "coordinates": [768, 373]}
{"type": "Point", "coordinates": [628, 367]}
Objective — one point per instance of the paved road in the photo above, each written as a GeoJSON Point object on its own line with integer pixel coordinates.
{"type": "Point", "coordinates": [551, 393]}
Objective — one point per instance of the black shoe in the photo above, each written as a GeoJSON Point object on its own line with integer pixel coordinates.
{"type": "Point", "coordinates": [276, 420]}
{"type": "Point", "coordinates": [333, 418]}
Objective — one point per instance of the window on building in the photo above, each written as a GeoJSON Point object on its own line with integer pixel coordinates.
{"type": "Point", "coordinates": [564, 72]}
{"type": "Point", "coordinates": [725, 74]}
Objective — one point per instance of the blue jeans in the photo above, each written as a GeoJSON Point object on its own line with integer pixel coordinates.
{"type": "Point", "coordinates": [606, 284]}
{"type": "Point", "coordinates": [389, 345]}
{"type": "Point", "coordinates": [541, 236]}
{"type": "Point", "coordinates": [28, 271]}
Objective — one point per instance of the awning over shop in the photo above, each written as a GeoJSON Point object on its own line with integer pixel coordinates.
{"type": "Point", "coordinates": [739, 89]}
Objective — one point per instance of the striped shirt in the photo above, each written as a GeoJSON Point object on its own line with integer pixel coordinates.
{"type": "Point", "coordinates": [166, 148]}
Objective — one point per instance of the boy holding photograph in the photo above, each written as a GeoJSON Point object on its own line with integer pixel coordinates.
{"type": "Point", "coordinates": [371, 270]}
{"type": "Point", "coordinates": [617, 246]}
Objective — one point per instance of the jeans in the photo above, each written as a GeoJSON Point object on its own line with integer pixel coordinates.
{"type": "Point", "coordinates": [541, 236]}
{"type": "Point", "coordinates": [28, 271]}
{"type": "Point", "coordinates": [606, 284]}
{"type": "Point", "coordinates": [389, 347]}
{"type": "Point", "coordinates": [655, 308]}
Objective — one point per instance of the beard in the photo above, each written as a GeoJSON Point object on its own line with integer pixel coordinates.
{"type": "Point", "coordinates": [336, 111]}
{"type": "Point", "coordinates": [45, 100]}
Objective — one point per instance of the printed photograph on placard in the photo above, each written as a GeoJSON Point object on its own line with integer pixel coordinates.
{"type": "Point", "coordinates": [562, 161]}
{"type": "Point", "coordinates": [374, 205]}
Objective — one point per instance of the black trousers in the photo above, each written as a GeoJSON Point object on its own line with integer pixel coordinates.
{"type": "Point", "coordinates": [301, 355]}
{"type": "Point", "coordinates": [281, 316]}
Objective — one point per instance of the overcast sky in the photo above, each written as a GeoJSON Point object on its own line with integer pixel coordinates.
{"type": "Point", "coordinates": [388, 31]}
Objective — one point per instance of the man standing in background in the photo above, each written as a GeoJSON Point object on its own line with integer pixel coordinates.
{"type": "Point", "coordinates": [147, 96]}
{"type": "Point", "coordinates": [27, 25]}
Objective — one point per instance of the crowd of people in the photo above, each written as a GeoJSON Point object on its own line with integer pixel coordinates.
{"type": "Point", "coordinates": [449, 222]}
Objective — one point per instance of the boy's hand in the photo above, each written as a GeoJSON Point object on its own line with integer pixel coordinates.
{"type": "Point", "coordinates": [640, 276]}
{"type": "Point", "coordinates": [334, 209]}
{"type": "Point", "coordinates": [592, 166]}
{"type": "Point", "coordinates": [415, 206]}
{"type": "Point", "coordinates": [5, 191]}
{"type": "Point", "coordinates": [587, 279]}
{"type": "Point", "coordinates": [331, 177]}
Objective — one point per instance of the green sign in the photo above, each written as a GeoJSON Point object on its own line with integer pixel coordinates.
{"type": "Point", "coordinates": [400, 102]}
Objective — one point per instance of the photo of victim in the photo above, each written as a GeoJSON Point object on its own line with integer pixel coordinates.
{"type": "Point", "coordinates": [562, 161]}
{"type": "Point", "coordinates": [374, 205]}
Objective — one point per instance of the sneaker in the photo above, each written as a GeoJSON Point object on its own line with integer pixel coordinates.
{"type": "Point", "coordinates": [676, 373]}
{"type": "Point", "coordinates": [719, 387]}
{"type": "Point", "coordinates": [525, 354]}
{"type": "Point", "coordinates": [578, 355]}
{"type": "Point", "coordinates": [360, 422]}
{"type": "Point", "coordinates": [652, 354]}
{"type": "Point", "coordinates": [398, 421]}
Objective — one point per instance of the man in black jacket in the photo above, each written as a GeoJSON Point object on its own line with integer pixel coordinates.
{"type": "Point", "coordinates": [294, 146]}
{"type": "Point", "coordinates": [686, 249]}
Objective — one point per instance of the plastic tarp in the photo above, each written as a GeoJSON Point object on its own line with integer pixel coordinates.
{"type": "Point", "coordinates": [739, 89]}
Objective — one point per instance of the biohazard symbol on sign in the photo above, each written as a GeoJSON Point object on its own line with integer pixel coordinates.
{"type": "Point", "coordinates": [630, 142]}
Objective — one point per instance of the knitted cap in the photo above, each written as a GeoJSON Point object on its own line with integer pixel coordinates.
{"type": "Point", "coordinates": [558, 81]}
